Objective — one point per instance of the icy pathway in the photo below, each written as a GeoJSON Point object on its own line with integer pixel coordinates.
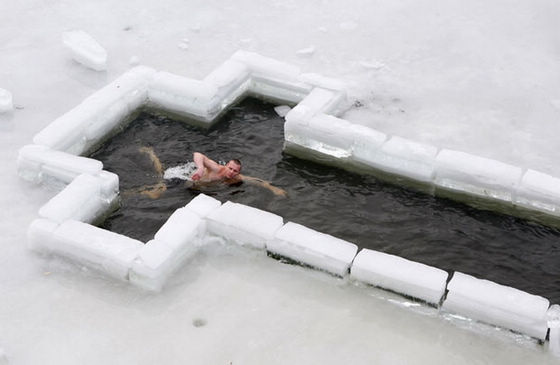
{"type": "Point", "coordinates": [234, 306]}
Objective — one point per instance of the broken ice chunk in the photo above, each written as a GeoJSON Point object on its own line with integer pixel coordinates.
{"type": "Point", "coordinates": [306, 52]}
{"type": "Point", "coordinates": [282, 110]}
{"type": "Point", "coordinates": [313, 248]}
{"type": "Point", "coordinates": [243, 225]}
{"type": "Point", "coordinates": [85, 49]}
{"type": "Point", "coordinates": [5, 101]}
{"type": "Point", "coordinates": [372, 65]}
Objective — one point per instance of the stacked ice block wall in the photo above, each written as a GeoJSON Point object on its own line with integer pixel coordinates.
{"type": "Point", "coordinates": [149, 265]}
{"type": "Point", "coordinates": [313, 124]}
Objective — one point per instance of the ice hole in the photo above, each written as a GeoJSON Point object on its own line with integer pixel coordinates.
{"type": "Point", "coordinates": [355, 207]}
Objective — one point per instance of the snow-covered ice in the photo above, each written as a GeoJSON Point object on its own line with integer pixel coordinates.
{"type": "Point", "coordinates": [106, 251]}
{"type": "Point", "coordinates": [497, 304]}
{"type": "Point", "coordinates": [34, 161]}
{"type": "Point", "coordinates": [476, 175]}
{"type": "Point", "coordinates": [400, 275]}
{"type": "Point", "coordinates": [486, 85]}
{"type": "Point", "coordinates": [243, 224]}
{"type": "Point", "coordinates": [541, 189]}
{"type": "Point", "coordinates": [176, 241]}
{"type": "Point", "coordinates": [406, 158]}
{"type": "Point", "coordinates": [203, 205]}
{"type": "Point", "coordinates": [553, 317]}
{"type": "Point", "coordinates": [82, 200]}
{"type": "Point", "coordinates": [316, 249]}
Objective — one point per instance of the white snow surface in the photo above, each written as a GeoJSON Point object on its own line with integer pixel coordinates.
{"type": "Point", "coordinates": [480, 77]}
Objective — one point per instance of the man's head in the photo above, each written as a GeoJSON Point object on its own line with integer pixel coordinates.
{"type": "Point", "coordinates": [233, 168]}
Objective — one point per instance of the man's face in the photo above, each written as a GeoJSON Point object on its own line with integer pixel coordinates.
{"type": "Point", "coordinates": [232, 169]}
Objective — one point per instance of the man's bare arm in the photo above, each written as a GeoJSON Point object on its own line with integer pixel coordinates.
{"type": "Point", "coordinates": [202, 162]}
{"type": "Point", "coordinates": [264, 184]}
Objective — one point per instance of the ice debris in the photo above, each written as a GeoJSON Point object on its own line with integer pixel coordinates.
{"type": "Point", "coordinates": [282, 110]}
{"type": "Point", "coordinates": [372, 65]}
{"type": "Point", "coordinates": [85, 49]}
{"type": "Point", "coordinates": [5, 101]}
{"type": "Point", "coordinates": [553, 316]}
{"type": "Point", "coordinates": [306, 51]}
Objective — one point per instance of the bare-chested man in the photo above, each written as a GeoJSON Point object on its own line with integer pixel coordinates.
{"type": "Point", "coordinates": [210, 171]}
{"type": "Point", "coordinates": [207, 172]}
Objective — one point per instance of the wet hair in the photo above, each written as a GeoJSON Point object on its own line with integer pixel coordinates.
{"type": "Point", "coordinates": [236, 161]}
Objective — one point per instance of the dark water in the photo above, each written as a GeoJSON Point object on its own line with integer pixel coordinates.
{"type": "Point", "coordinates": [357, 208]}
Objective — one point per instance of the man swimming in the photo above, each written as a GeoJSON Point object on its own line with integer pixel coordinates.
{"type": "Point", "coordinates": [207, 172]}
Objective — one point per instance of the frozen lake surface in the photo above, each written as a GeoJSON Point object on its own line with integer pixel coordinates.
{"type": "Point", "coordinates": [478, 77]}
